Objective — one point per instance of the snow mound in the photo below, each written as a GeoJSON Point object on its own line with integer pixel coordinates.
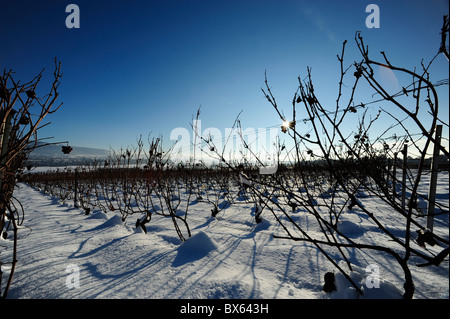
{"type": "Point", "coordinates": [116, 220]}
{"type": "Point", "coordinates": [113, 221]}
{"type": "Point", "coordinates": [349, 228]}
{"type": "Point", "coordinates": [98, 215]}
{"type": "Point", "coordinates": [263, 225]}
{"type": "Point", "coordinates": [195, 248]}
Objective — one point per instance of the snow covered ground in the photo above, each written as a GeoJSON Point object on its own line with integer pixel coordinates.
{"type": "Point", "coordinates": [63, 253]}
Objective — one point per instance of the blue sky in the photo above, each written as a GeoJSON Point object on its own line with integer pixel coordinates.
{"type": "Point", "coordinates": [140, 67]}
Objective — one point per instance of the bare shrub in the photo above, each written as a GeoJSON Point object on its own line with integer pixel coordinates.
{"type": "Point", "coordinates": [22, 110]}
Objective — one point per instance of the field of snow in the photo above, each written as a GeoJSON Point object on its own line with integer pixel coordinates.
{"type": "Point", "coordinates": [63, 253]}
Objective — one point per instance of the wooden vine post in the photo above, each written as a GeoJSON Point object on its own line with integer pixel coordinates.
{"type": "Point", "coordinates": [433, 179]}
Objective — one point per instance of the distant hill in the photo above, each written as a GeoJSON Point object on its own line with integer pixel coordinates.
{"type": "Point", "coordinates": [52, 155]}
{"type": "Point", "coordinates": [50, 151]}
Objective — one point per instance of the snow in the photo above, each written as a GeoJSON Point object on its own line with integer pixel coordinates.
{"type": "Point", "coordinates": [195, 248]}
{"type": "Point", "coordinates": [379, 290]}
{"type": "Point", "coordinates": [227, 256]}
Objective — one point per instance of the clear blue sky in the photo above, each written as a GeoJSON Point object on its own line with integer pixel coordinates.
{"type": "Point", "coordinates": [135, 67]}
